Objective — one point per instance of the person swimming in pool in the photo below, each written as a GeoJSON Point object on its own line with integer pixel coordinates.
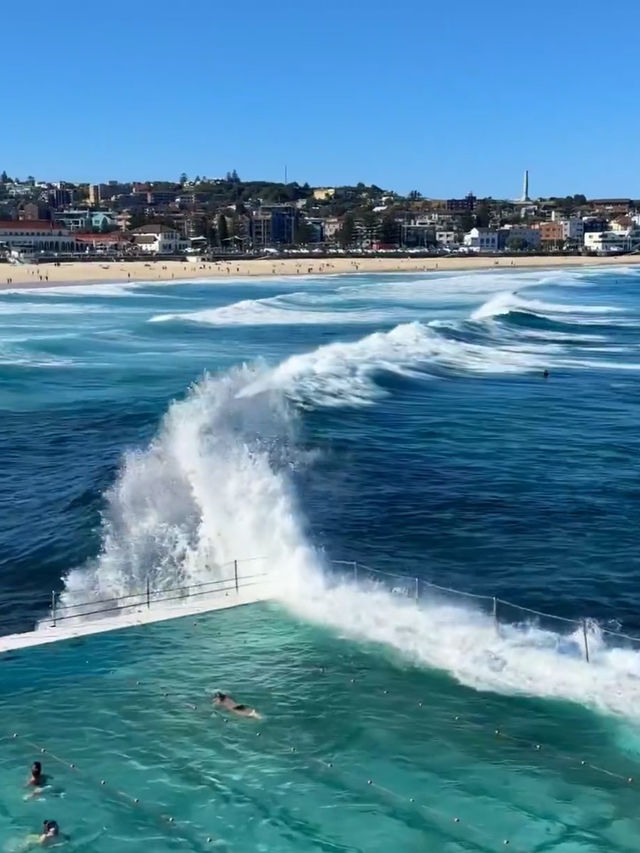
{"type": "Point", "coordinates": [37, 780]}
{"type": "Point", "coordinates": [223, 700]}
{"type": "Point", "coordinates": [50, 831]}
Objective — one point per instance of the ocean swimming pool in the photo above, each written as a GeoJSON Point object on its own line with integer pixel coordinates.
{"type": "Point", "coordinates": [156, 432]}
{"type": "Point", "coordinates": [133, 708]}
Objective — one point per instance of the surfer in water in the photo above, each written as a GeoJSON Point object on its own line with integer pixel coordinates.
{"type": "Point", "coordinates": [223, 700]}
{"type": "Point", "coordinates": [546, 374]}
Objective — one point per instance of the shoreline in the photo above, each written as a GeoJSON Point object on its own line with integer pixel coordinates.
{"type": "Point", "coordinates": [30, 276]}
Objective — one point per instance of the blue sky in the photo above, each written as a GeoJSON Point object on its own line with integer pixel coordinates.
{"type": "Point", "coordinates": [440, 97]}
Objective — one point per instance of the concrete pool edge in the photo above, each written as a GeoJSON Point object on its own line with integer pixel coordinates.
{"type": "Point", "coordinates": [140, 616]}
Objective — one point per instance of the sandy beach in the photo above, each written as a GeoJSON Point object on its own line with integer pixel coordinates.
{"type": "Point", "coordinates": [82, 272]}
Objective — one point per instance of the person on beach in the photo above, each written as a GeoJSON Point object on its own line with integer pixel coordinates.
{"type": "Point", "coordinates": [223, 700]}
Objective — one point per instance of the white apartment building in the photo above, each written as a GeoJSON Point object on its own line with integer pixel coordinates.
{"type": "Point", "coordinates": [446, 238]}
{"type": "Point", "coordinates": [573, 229]}
{"type": "Point", "coordinates": [159, 240]}
{"type": "Point", "coordinates": [605, 242]}
{"type": "Point", "coordinates": [481, 240]}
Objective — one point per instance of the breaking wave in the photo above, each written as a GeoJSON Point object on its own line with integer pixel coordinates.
{"type": "Point", "coordinates": [216, 483]}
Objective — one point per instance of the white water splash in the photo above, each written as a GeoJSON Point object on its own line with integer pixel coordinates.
{"type": "Point", "coordinates": [215, 484]}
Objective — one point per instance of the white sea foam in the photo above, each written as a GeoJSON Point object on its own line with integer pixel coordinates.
{"type": "Point", "coordinates": [464, 642]}
{"type": "Point", "coordinates": [508, 301]}
{"type": "Point", "coordinates": [341, 374]}
{"type": "Point", "coordinates": [215, 485]}
{"type": "Point", "coordinates": [277, 312]}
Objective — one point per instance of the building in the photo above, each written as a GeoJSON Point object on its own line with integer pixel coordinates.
{"type": "Point", "coordinates": [461, 205]}
{"type": "Point", "coordinates": [612, 242]}
{"type": "Point", "coordinates": [324, 193]}
{"type": "Point", "coordinates": [551, 234]}
{"type": "Point", "coordinates": [36, 235]}
{"type": "Point", "coordinates": [74, 220]}
{"type": "Point", "coordinates": [417, 235]}
{"type": "Point", "coordinates": [156, 197]}
{"type": "Point", "coordinates": [621, 224]}
{"type": "Point", "coordinates": [447, 239]}
{"type": "Point", "coordinates": [99, 193]}
{"type": "Point", "coordinates": [594, 224]}
{"type": "Point", "coordinates": [573, 230]}
{"type": "Point", "coordinates": [315, 226]}
{"type": "Point", "coordinates": [32, 211]}
{"type": "Point", "coordinates": [330, 228]}
{"type": "Point", "coordinates": [159, 240]}
{"type": "Point", "coordinates": [60, 197]}
{"type": "Point", "coordinates": [274, 225]}
{"type": "Point", "coordinates": [116, 242]}
{"type": "Point", "coordinates": [530, 235]}
{"type": "Point", "coordinates": [611, 205]}
{"type": "Point", "coordinates": [481, 240]}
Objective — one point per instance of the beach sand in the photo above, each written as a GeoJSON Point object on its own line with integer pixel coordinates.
{"type": "Point", "coordinates": [82, 272]}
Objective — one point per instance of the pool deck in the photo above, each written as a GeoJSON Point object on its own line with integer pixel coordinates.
{"type": "Point", "coordinates": [136, 616]}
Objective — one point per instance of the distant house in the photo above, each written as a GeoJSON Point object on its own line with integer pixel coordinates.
{"type": "Point", "coordinates": [114, 242]}
{"type": "Point", "coordinates": [324, 193]}
{"type": "Point", "coordinates": [159, 240]}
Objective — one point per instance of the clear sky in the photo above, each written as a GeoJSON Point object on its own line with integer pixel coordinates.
{"type": "Point", "coordinates": [416, 94]}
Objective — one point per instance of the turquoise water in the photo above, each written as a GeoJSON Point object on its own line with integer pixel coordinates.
{"type": "Point", "coordinates": [154, 433]}
{"type": "Point", "coordinates": [100, 703]}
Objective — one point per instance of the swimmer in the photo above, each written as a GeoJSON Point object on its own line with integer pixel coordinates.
{"type": "Point", "coordinates": [223, 700]}
{"type": "Point", "coordinates": [50, 831]}
{"type": "Point", "coordinates": [37, 780]}
{"type": "Point", "coordinates": [546, 374]}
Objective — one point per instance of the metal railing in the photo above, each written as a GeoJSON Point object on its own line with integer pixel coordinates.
{"type": "Point", "coordinates": [584, 635]}
{"type": "Point", "coordinates": [148, 597]}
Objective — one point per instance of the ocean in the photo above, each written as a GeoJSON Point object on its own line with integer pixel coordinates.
{"type": "Point", "coordinates": [403, 421]}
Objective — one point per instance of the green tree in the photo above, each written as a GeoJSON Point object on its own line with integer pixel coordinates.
{"type": "Point", "coordinates": [346, 234]}
{"type": "Point", "coordinates": [4, 178]}
{"type": "Point", "coordinates": [414, 195]}
{"type": "Point", "coordinates": [389, 231]}
{"type": "Point", "coordinates": [223, 230]}
{"type": "Point", "coordinates": [235, 177]}
{"type": "Point", "coordinates": [303, 233]}
{"type": "Point", "coordinates": [482, 215]}
{"type": "Point", "coordinates": [183, 178]}
{"type": "Point", "coordinates": [467, 221]}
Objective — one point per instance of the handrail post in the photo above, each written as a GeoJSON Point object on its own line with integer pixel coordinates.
{"type": "Point", "coordinates": [235, 572]}
{"type": "Point", "coordinates": [53, 607]}
{"type": "Point", "coordinates": [148, 594]}
{"type": "Point", "coordinates": [586, 641]}
{"type": "Point", "coordinates": [495, 613]}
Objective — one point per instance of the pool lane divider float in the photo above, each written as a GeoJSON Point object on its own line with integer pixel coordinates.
{"type": "Point", "coordinates": [134, 802]}
{"type": "Point", "coordinates": [460, 722]}
{"type": "Point", "coordinates": [450, 823]}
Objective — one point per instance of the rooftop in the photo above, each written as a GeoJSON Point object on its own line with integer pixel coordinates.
{"type": "Point", "coordinates": [30, 225]}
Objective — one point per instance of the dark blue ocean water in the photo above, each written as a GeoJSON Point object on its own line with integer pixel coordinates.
{"type": "Point", "coordinates": [435, 445]}
{"type": "Point", "coordinates": [403, 421]}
